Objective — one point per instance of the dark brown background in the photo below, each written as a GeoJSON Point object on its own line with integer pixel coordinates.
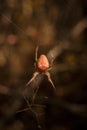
{"type": "Point", "coordinates": [60, 24]}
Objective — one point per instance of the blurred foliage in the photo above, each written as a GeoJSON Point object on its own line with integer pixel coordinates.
{"type": "Point", "coordinates": [24, 24]}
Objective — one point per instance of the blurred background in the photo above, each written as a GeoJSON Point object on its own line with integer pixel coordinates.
{"type": "Point", "coordinates": [59, 28]}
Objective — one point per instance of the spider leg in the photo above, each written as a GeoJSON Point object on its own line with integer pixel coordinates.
{"type": "Point", "coordinates": [34, 76]}
{"type": "Point", "coordinates": [50, 80]}
{"type": "Point", "coordinates": [49, 68]}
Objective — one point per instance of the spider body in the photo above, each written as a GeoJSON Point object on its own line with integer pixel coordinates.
{"type": "Point", "coordinates": [43, 63]}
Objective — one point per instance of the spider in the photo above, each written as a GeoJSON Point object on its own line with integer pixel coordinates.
{"type": "Point", "coordinates": [42, 66]}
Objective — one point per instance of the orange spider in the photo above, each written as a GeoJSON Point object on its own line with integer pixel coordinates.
{"type": "Point", "coordinates": [42, 66]}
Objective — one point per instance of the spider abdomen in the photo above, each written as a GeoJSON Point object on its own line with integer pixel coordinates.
{"type": "Point", "coordinates": [43, 63]}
